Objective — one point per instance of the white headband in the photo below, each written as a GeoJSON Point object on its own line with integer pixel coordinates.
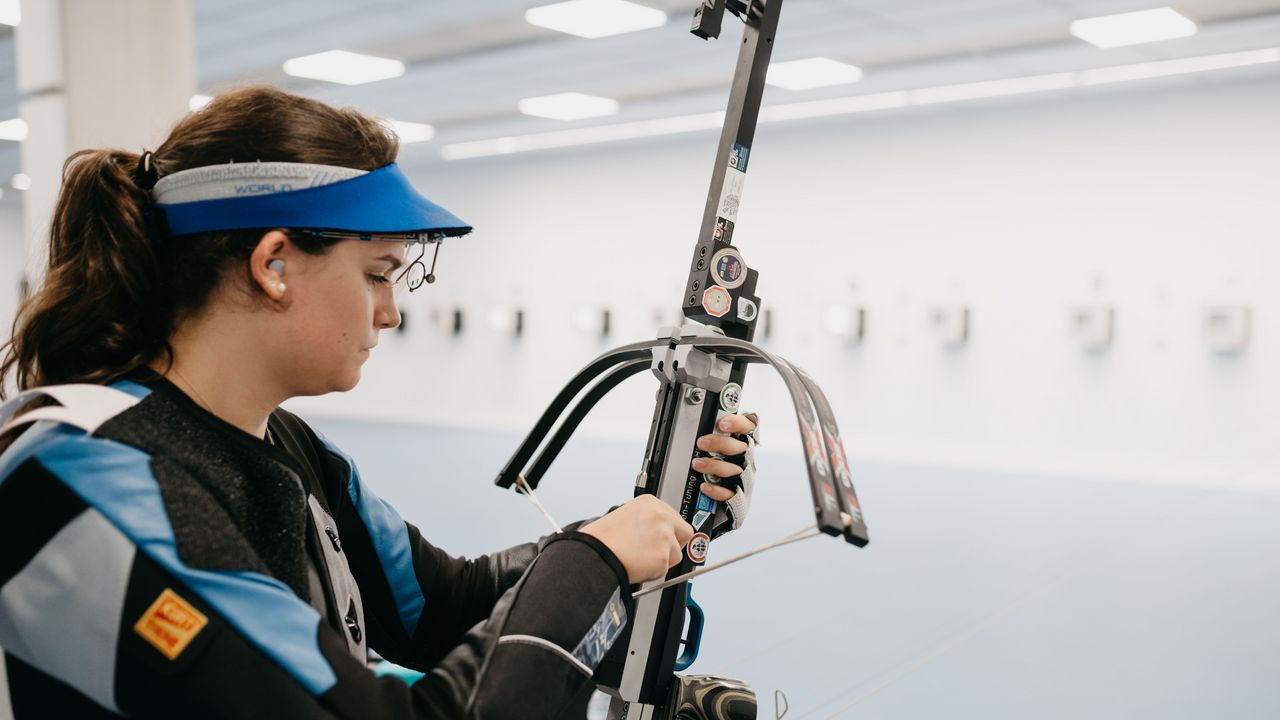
{"type": "Point", "coordinates": [217, 182]}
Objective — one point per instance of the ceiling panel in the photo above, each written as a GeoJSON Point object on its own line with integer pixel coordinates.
{"type": "Point", "coordinates": [470, 62]}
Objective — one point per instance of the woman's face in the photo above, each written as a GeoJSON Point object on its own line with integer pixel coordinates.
{"type": "Point", "coordinates": [336, 304]}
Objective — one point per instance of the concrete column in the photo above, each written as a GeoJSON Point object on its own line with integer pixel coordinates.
{"type": "Point", "coordinates": [95, 74]}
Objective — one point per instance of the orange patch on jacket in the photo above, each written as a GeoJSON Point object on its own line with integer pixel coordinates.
{"type": "Point", "coordinates": [170, 624]}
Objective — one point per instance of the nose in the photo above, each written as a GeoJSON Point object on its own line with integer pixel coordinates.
{"type": "Point", "coordinates": [386, 315]}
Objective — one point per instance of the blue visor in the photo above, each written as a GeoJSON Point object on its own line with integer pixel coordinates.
{"type": "Point", "coordinates": [380, 201]}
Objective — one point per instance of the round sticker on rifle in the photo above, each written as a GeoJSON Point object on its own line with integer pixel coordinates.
{"type": "Point", "coordinates": [727, 268]}
{"type": "Point", "coordinates": [730, 396]}
{"type": "Point", "coordinates": [698, 547]}
{"type": "Point", "coordinates": [716, 301]}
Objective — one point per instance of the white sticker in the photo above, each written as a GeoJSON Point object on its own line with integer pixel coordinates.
{"type": "Point", "coordinates": [699, 518]}
{"type": "Point", "coordinates": [731, 194]}
{"type": "Point", "coordinates": [731, 397]}
{"type": "Point", "coordinates": [716, 301]}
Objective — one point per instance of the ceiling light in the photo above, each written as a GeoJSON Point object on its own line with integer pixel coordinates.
{"type": "Point", "coordinates": [1181, 66]}
{"type": "Point", "coordinates": [1132, 28]}
{"type": "Point", "coordinates": [15, 129]}
{"type": "Point", "coordinates": [198, 101]}
{"type": "Point", "coordinates": [411, 132]}
{"type": "Point", "coordinates": [595, 18]}
{"type": "Point", "coordinates": [835, 106]}
{"type": "Point", "coordinates": [21, 181]}
{"type": "Point", "coordinates": [346, 68]}
{"type": "Point", "coordinates": [811, 73]}
{"type": "Point", "coordinates": [10, 12]}
{"type": "Point", "coordinates": [993, 88]}
{"type": "Point", "coordinates": [860, 103]}
{"type": "Point", "coordinates": [583, 136]}
{"type": "Point", "coordinates": [568, 106]}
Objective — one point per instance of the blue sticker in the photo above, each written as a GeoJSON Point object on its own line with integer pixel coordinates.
{"type": "Point", "coordinates": [728, 267]}
{"type": "Point", "coordinates": [706, 504]}
{"type": "Point", "coordinates": [738, 157]}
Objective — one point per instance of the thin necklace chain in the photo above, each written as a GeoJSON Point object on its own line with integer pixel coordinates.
{"type": "Point", "coordinates": [185, 381]}
{"type": "Point", "coordinates": [269, 438]}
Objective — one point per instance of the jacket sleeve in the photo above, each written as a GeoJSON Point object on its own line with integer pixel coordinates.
{"type": "Point", "coordinates": [534, 655]}
{"type": "Point", "coordinates": [94, 594]}
{"type": "Point", "coordinates": [419, 601]}
{"type": "Point", "coordinates": [417, 613]}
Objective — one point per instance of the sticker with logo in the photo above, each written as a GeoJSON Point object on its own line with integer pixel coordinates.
{"type": "Point", "coordinates": [731, 397]}
{"type": "Point", "coordinates": [706, 504]}
{"type": "Point", "coordinates": [170, 624]}
{"type": "Point", "coordinates": [723, 231]}
{"type": "Point", "coordinates": [716, 301]}
{"type": "Point", "coordinates": [731, 194]}
{"type": "Point", "coordinates": [728, 268]}
{"type": "Point", "coordinates": [698, 545]}
{"type": "Point", "coordinates": [700, 519]}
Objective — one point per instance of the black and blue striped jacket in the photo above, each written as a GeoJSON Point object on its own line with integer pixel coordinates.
{"type": "Point", "coordinates": [170, 565]}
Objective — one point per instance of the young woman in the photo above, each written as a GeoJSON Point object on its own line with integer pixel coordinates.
{"type": "Point", "coordinates": [173, 544]}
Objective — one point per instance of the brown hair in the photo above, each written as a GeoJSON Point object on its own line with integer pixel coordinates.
{"type": "Point", "coordinates": [111, 297]}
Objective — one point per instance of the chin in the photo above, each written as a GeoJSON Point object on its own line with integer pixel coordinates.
{"type": "Point", "coordinates": [348, 381]}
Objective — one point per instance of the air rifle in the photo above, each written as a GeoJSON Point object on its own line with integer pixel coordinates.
{"type": "Point", "coordinates": [701, 367]}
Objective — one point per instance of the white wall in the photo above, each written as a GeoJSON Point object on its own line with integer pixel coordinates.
{"type": "Point", "coordinates": [12, 258]}
{"type": "Point", "coordinates": [1158, 201]}
{"type": "Point", "coordinates": [1018, 209]}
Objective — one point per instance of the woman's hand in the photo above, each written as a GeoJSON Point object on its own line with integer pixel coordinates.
{"type": "Point", "coordinates": [645, 534]}
{"type": "Point", "coordinates": [726, 446]}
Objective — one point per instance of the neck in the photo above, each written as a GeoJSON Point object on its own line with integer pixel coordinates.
{"type": "Point", "coordinates": [232, 387]}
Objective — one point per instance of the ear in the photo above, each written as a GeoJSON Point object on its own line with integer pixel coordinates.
{"type": "Point", "coordinates": [269, 263]}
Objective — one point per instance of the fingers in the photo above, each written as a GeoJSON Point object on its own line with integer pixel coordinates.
{"type": "Point", "coordinates": [715, 492]}
{"type": "Point", "coordinates": [681, 530]}
{"type": "Point", "coordinates": [674, 553]}
{"type": "Point", "coordinates": [666, 530]}
{"type": "Point", "coordinates": [736, 424]}
{"type": "Point", "coordinates": [722, 444]}
{"type": "Point", "coordinates": [719, 468]}
{"type": "Point", "coordinates": [645, 534]}
{"type": "Point", "coordinates": [684, 532]}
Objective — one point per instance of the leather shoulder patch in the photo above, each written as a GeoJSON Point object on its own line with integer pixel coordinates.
{"type": "Point", "coordinates": [170, 624]}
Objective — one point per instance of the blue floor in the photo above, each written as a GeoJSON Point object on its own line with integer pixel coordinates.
{"type": "Point", "coordinates": [980, 596]}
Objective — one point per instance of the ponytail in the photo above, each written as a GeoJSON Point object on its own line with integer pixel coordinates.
{"type": "Point", "coordinates": [98, 315]}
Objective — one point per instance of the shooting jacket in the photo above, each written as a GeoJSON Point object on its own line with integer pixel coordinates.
{"type": "Point", "coordinates": [169, 565]}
